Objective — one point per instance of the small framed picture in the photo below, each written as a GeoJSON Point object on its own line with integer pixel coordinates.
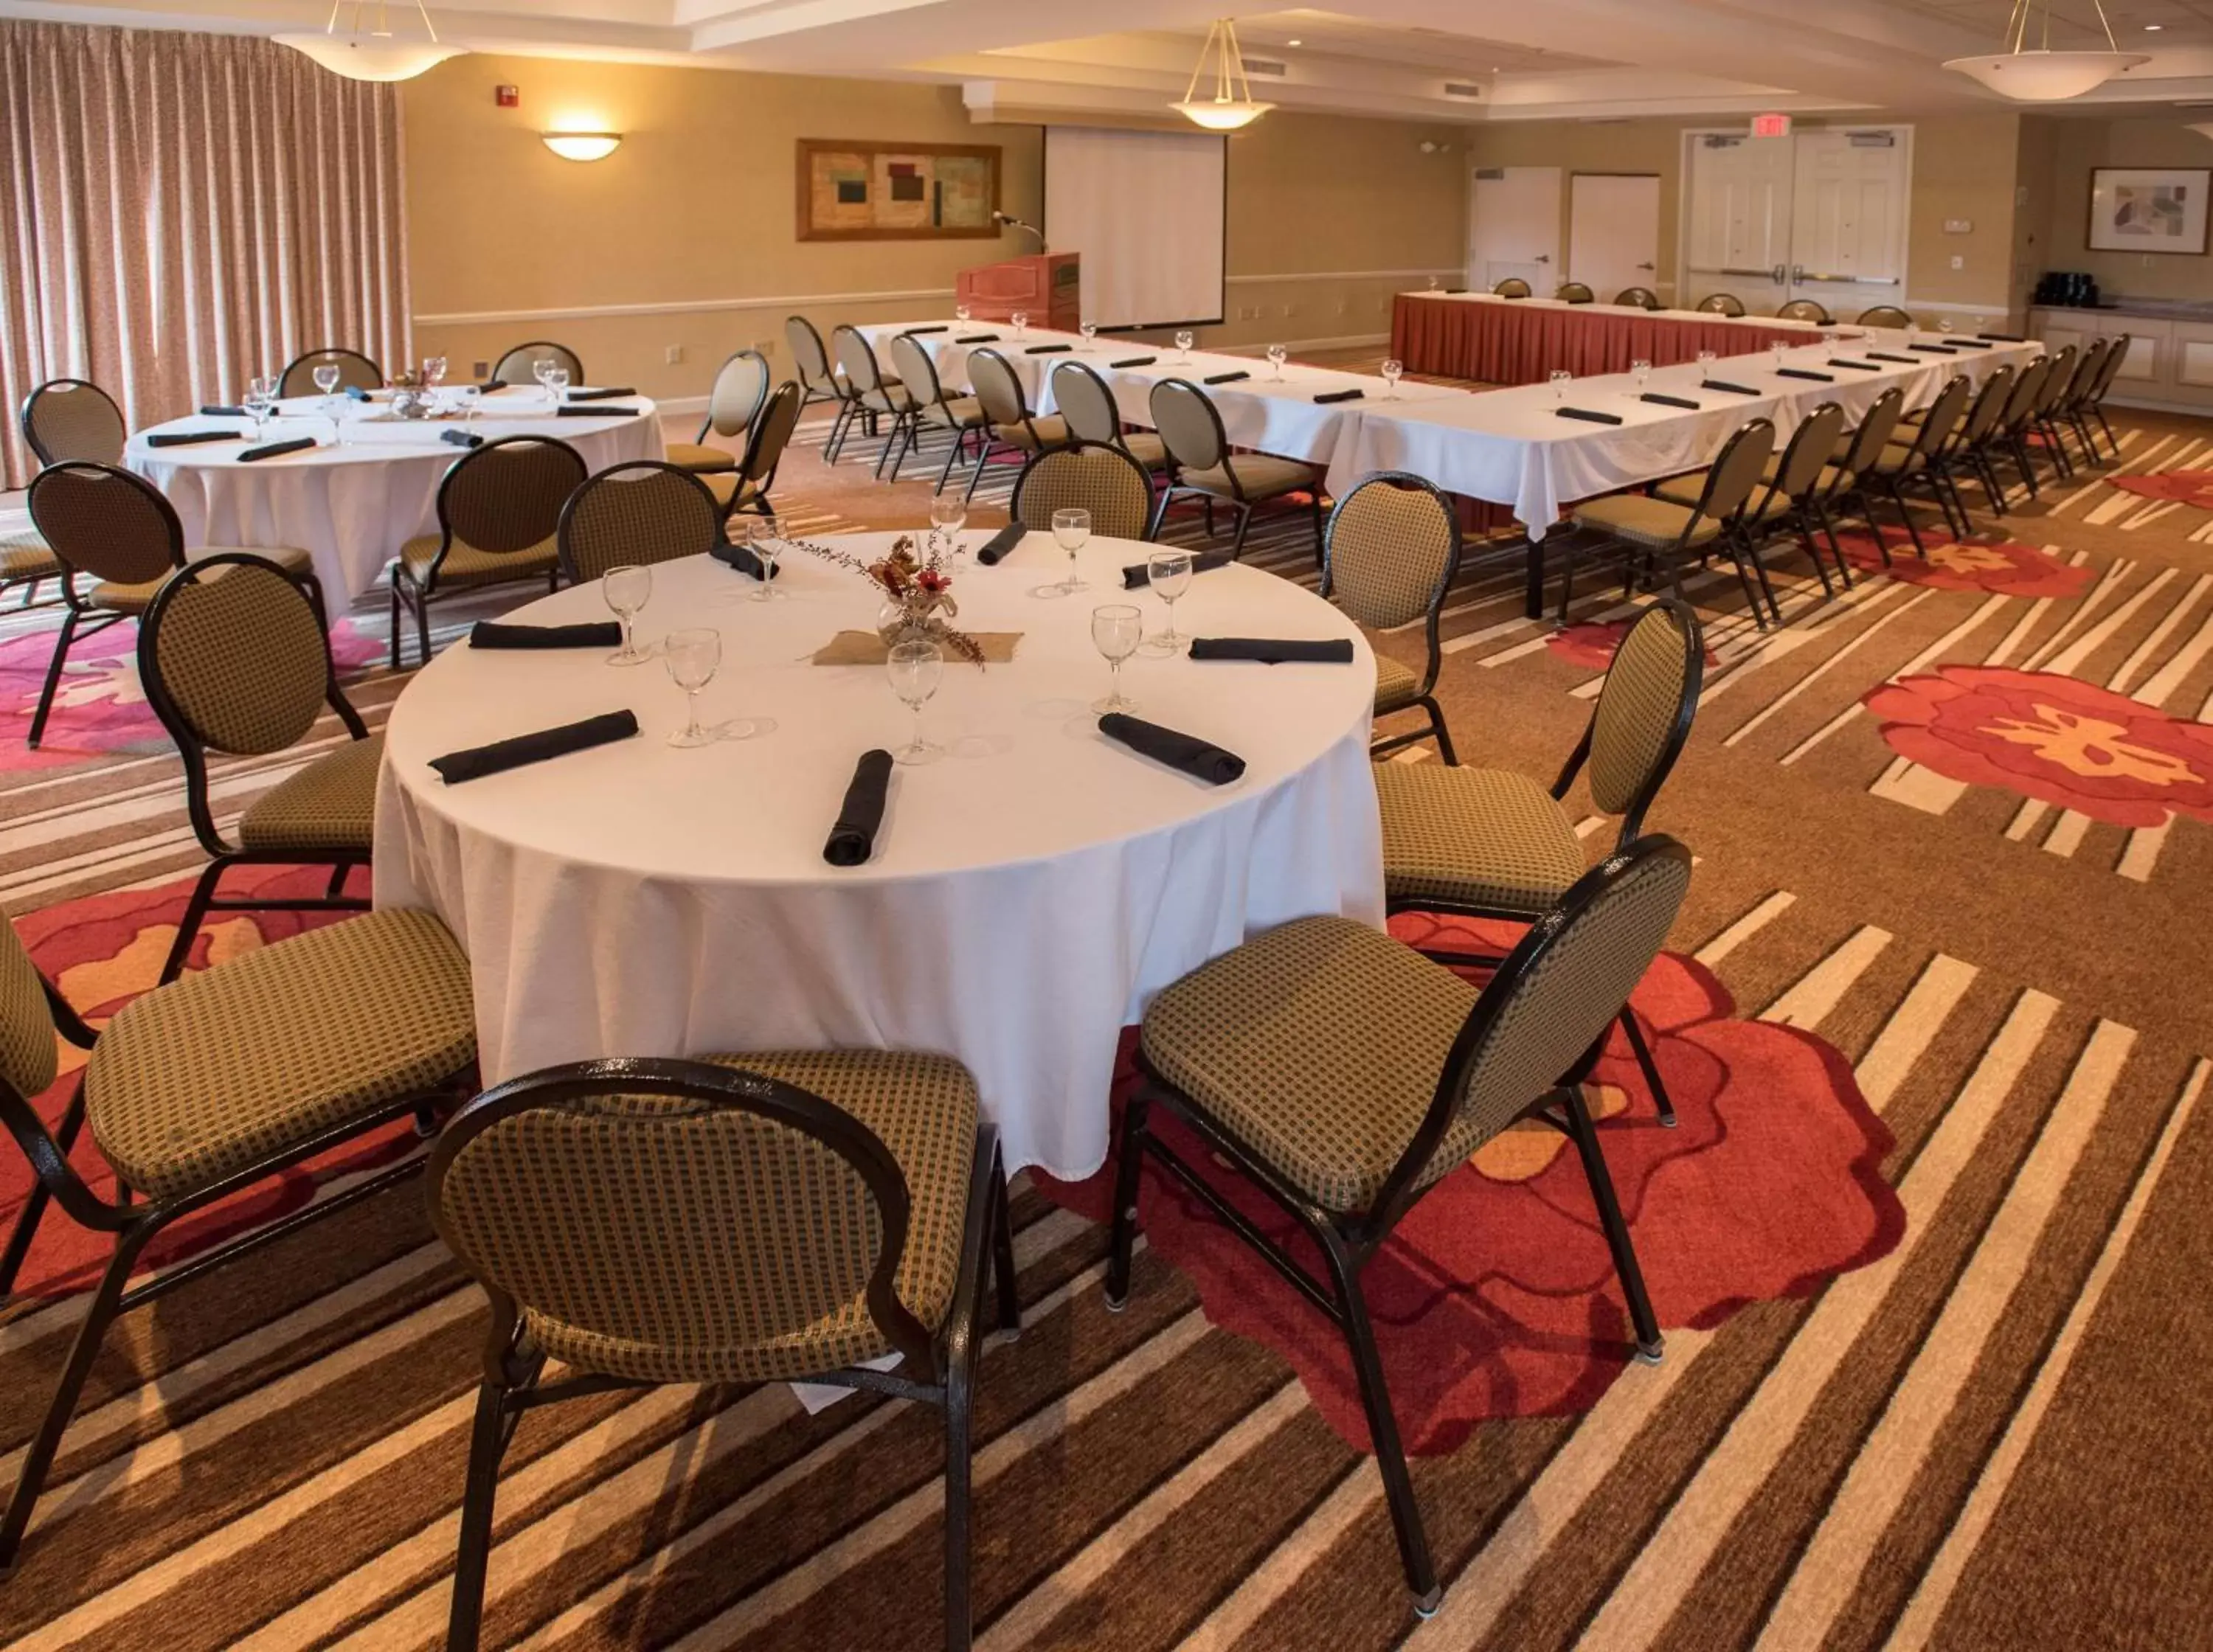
{"type": "Point", "coordinates": [2148, 209]}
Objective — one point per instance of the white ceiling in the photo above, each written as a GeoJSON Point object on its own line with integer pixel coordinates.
{"type": "Point", "coordinates": [1530, 59]}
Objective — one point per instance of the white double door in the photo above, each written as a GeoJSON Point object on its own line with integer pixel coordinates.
{"type": "Point", "coordinates": [1819, 215]}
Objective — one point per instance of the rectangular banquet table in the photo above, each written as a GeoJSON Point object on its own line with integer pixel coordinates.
{"type": "Point", "coordinates": [1495, 340]}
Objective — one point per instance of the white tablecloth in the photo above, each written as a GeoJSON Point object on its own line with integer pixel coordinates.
{"type": "Point", "coordinates": [351, 507]}
{"type": "Point", "coordinates": [1029, 893]}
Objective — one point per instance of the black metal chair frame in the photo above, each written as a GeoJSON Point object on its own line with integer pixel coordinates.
{"type": "Point", "coordinates": [576, 362]}
{"type": "Point", "coordinates": [1933, 470]}
{"type": "Point", "coordinates": [1805, 515]}
{"type": "Point", "coordinates": [1348, 1241]}
{"type": "Point", "coordinates": [1807, 309]}
{"type": "Point", "coordinates": [857, 409]}
{"type": "Point", "coordinates": [1638, 559]}
{"type": "Point", "coordinates": [810, 391]}
{"type": "Point", "coordinates": [2092, 404]}
{"type": "Point", "coordinates": [943, 1368]}
{"type": "Point", "coordinates": [767, 380]}
{"type": "Point", "coordinates": [1850, 486]}
{"type": "Point", "coordinates": [325, 352]}
{"type": "Point", "coordinates": [1520, 289]}
{"type": "Point", "coordinates": [1867, 317]}
{"type": "Point", "coordinates": [2043, 422]}
{"type": "Point", "coordinates": [906, 428]}
{"type": "Point", "coordinates": [1642, 298]}
{"type": "Point", "coordinates": [1982, 433]}
{"type": "Point", "coordinates": [1236, 499]}
{"type": "Point", "coordinates": [1426, 700]}
{"type": "Point", "coordinates": [629, 467]}
{"type": "Point", "coordinates": [134, 1222]}
{"type": "Point", "coordinates": [1120, 436]}
{"type": "Point", "coordinates": [1727, 304]}
{"type": "Point", "coordinates": [2070, 411]}
{"type": "Point", "coordinates": [749, 471]}
{"type": "Point", "coordinates": [26, 420]}
{"type": "Point", "coordinates": [994, 444]}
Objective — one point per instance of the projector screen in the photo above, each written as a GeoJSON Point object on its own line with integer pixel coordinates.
{"type": "Point", "coordinates": [1145, 210]}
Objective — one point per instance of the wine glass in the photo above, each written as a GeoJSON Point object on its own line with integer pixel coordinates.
{"type": "Point", "coordinates": [1090, 332]}
{"type": "Point", "coordinates": [260, 402]}
{"type": "Point", "coordinates": [556, 384]}
{"type": "Point", "coordinates": [948, 512]}
{"type": "Point", "coordinates": [1642, 370]}
{"type": "Point", "coordinates": [1780, 349]}
{"type": "Point", "coordinates": [961, 313]}
{"type": "Point", "coordinates": [1021, 319]}
{"type": "Point", "coordinates": [1071, 531]}
{"type": "Point", "coordinates": [693, 654]}
{"type": "Point", "coordinates": [1276, 356]}
{"type": "Point", "coordinates": [470, 395]}
{"type": "Point", "coordinates": [1182, 342]}
{"type": "Point", "coordinates": [1116, 631]}
{"type": "Point", "coordinates": [433, 371]}
{"type": "Point", "coordinates": [627, 589]}
{"type": "Point", "coordinates": [1912, 332]}
{"type": "Point", "coordinates": [326, 380]}
{"type": "Point", "coordinates": [1392, 370]}
{"type": "Point", "coordinates": [764, 538]}
{"type": "Point", "coordinates": [1944, 326]}
{"type": "Point", "coordinates": [915, 669]}
{"type": "Point", "coordinates": [1706, 360]}
{"type": "Point", "coordinates": [1169, 572]}
{"type": "Point", "coordinates": [1433, 283]}
{"type": "Point", "coordinates": [542, 371]}
{"type": "Point", "coordinates": [1561, 380]}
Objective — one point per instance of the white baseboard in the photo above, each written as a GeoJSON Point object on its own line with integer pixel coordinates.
{"type": "Point", "coordinates": [2145, 404]}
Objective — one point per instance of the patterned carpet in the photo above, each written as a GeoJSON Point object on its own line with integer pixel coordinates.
{"type": "Point", "coordinates": [1928, 1246]}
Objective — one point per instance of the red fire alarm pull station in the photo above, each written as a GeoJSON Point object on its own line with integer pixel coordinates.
{"type": "Point", "coordinates": [508, 97]}
{"type": "Point", "coordinates": [1770, 125]}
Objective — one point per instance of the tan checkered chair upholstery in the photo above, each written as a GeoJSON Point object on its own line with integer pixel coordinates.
{"type": "Point", "coordinates": [499, 510]}
{"type": "Point", "coordinates": [520, 365]}
{"type": "Point", "coordinates": [1090, 407]}
{"type": "Point", "coordinates": [1009, 426]}
{"type": "Point", "coordinates": [873, 393]}
{"type": "Point", "coordinates": [1101, 480]}
{"type": "Point", "coordinates": [1346, 1075]}
{"type": "Point", "coordinates": [747, 1218]}
{"type": "Point", "coordinates": [118, 531]}
{"type": "Point", "coordinates": [356, 372]}
{"type": "Point", "coordinates": [62, 419]}
{"type": "Point", "coordinates": [733, 401]}
{"type": "Point", "coordinates": [235, 662]}
{"type": "Point", "coordinates": [1576, 292]}
{"type": "Point", "coordinates": [1650, 529]}
{"type": "Point", "coordinates": [1722, 304]}
{"type": "Point", "coordinates": [747, 488]}
{"type": "Point", "coordinates": [1885, 315]}
{"type": "Point", "coordinates": [212, 1085]}
{"type": "Point", "coordinates": [1512, 287]}
{"type": "Point", "coordinates": [1391, 553]}
{"type": "Point", "coordinates": [1642, 298]}
{"type": "Point", "coordinates": [1806, 309]}
{"type": "Point", "coordinates": [1791, 500]}
{"type": "Point", "coordinates": [637, 515]}
{"type": "Point", "coordinates": [1202, 466]}
{"type": "Point", "coordinates": [958, 417]}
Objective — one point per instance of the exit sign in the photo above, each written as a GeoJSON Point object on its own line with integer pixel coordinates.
{"type": "Point", "coordinates": [1770, 125]}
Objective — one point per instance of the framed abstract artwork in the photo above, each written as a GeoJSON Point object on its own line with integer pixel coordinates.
{"type": "Point", "coordinates": [2148, 209]}
{"type": "Point", "coordinates": [897, 191]}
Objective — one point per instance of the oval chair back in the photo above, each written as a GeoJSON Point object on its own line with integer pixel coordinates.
{"type": "Point", "coordinates": [741, 387]}
{"type": "Point", "coordinates": [1737, 471]}
{"type": "Point", "coordinates": [1876, 428]}
{"type": "Point", "coordinates": [103, 520]}
{"type": "Point", "coordinates": [1189, 425]}
{"type": "Point", "coordinates": [999, 389]}
{"type": "Point", "coordinates": [1095, 475]}
{"type": "Point", "coordinates": [1087, 403]}
{"type": "Point", "coordinates": [2027, 388]}
{"type": "Point", "coordinates": [1644, 712]}
{"type": "Point", "coordinates": [520, 365]}
{"type": "Point", "coordinates": [1805, 309]}
{"type": "Point", "coordinates": [2087, 368]}
{"type": "Point", "coordinates": [234, 657]}
{"type": "Point", "coordinates": [916, 371]}
{"type": "Point", "coordinates": [1812, 446]}
{"type": "Point", "coordinates": [1722, 304]}
{"type": "Point", "coordinates": [771, 435]}
{"type": "Point", "coordinates": [808, 356]}
{"type": "Point", "coordinates": [1642, 298]}
{"type": "Point", "coordinates": [2057, 380]}
{"type": "Point", "coordinates": [1575, 293]}
{"type": "Point", "coordinates": [1885, 315]}
{"type": "Point", "coordinates": [356, 372]}
{"type": "Point", "coordinates": [2116, 357]}
{"type": "Point", "coordinates": [1512, 287]}
{"type": "Point", "coordinates": [507, 495]}
{"type": "Point", "coordinates": [858, 358]}
{"type": "Point", "coordinates": [1944, 418]}
{"type": "Point", "coordinates": [1391, 550]}
{"type": "Point", "coordinates": [1990, 404]}
{"type": "Point", "coordinates": [639, 513]}
{"type": "Point", "coordinates": [74, 418]}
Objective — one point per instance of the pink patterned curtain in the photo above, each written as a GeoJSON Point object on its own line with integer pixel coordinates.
{"type": "Point", "coordinates": [180, 211]}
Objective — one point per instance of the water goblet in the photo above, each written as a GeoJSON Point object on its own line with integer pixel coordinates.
{"type": "Point", "coordinates": [1020, 321]}
{"type": "Point", "coordinates": [541, 370]}
{"type": "Point", "coordinates": [261, 402]}
{"type": "Point", "coordinates": [1276, 356]}
{"type": "Point", "coordinates": [1780, 350]}
{"type": "Point", "coordinates": [1913, 332]}
{"type": "Point", "coordinates": [1168, 573]}
{"type": "Point", "coordinates": [326, 381]}
{"type": "Point", "coordinates": [915, 669]}
{"type": "Point", "coordinates": [433, 371]}
{"type": "Point", "coordinates": [1071, 531]}
{"type": "Point", "coordinates": [1117, 630]}
{"type": "Point", "coordinates": [1392, 370]}
{"type": "Point", "coordinates": [626, 589]}
{"type": "Point", "coordinates": [1944, 326]}
{"type": "Point", "coordinates": [1561, 379]}
{"type": "Point", "coordinates": [764, 538]}
{"type": "Point", "coordinates": [961, 313]}
{"type": "Point", "coordinates": [1183, 343]}
{"type": "Point", "coordinates": [556, 384]}
{"type": "Point", "coordinates": [1090, 332]}
{"type": "Point", "coordinates": [1642, 370]}
{"type": "Point", "coordinates": [948, 512]}
{"type": "Point", "coordinates": [1433, 283]}
{"type": "Point", "coordinates": [1706, 360]}
{"type": "Point", "coordinates": [469, 395]}
{"type": "Point", "coordinates": [693, 655]}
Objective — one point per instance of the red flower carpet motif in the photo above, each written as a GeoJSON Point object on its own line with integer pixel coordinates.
{"type": "Point", "coordinates": [102, 952]}
{"type": "Point", "coordinates": [2054, 738]}
{"type": "Point", "coordinates": [1593, 643]}
{"type": "Point", "coordinates": [1995, 565]}
{"type": "Point", "coordinates": [1496, 1296]}
{"type": "Point", "coordinates": [2188, 487]}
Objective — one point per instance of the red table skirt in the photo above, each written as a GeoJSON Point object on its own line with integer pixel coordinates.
{"type": "Point", "coordinates": [1520, 343]}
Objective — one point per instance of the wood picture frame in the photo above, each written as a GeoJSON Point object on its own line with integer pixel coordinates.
{"type": "Point", "coordinates": [863, 190]}
{"type": "Point", "coordinates": [2150, 210]}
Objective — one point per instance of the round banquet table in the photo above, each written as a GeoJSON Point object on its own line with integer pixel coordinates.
{"type": "Point", "coordinates": [1029, 891]}
{"type": "Point", "coordinates": [352, 507]}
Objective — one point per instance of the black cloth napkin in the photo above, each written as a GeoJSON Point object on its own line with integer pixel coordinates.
{"type": "Point", "coordinates": [274, 449]}
{"type": "Point", "coordinates": [1934, 349]}
{"type": "Point", "coordinates": [599, 413]}
{"type": "Point", "coordinates": [1275, 650]}
{"type": "Point", "coordinates": [1047, 349]}
{"type": "Point", "coordinates": [1228, 378]}
{"type": "Point", "coordinates": [978, 338]}
{"type": "Point", "coordinates": [1000, 544]}
{"type": "Point", "coordinates": [1138, 574]}
{"type": "Point", "coordinates": [1195, 758]}
{"type": "Point", "coordinates": [1723, 384]}
{"type": "Point", "coordinates": [224, 412]}
{"type": "Point", "coordinates": [1135, 361]}
{"type": "Point", "coordinates": [853, 839]}
{"type": "Point", "coordinates": [479, 761]}
{"type": "Point", "coordinates": [592, 634]}
{"type": "Point", "coordinates": [1858, 367]}
{"type": "Point", "coordinates": [1884, 356]}
{"type": "Point", "coordinates": [741, 558]}
{"type": "Point", "coordinates": [915, 332]}
{"type": "Point", "coordinates": [1804, 373]}
{"type": "Point", "coordinates": [1972, 343]}
{"type": "Point", "coordinates": [355, 392]}
{"type": "Point", "coordinates": [2003, 338]}
{"type": "Point", "coordinates": [1455, 289]}
{"type": "Point", "coordinates": [185, 438]}
{"type": "Point", "coordinates": [1354, 395]}
{"type": "Point", "coordinates": [1587, 416]}
{"type": "Point", "coordinates": [1670, 401]}
{"type": "Point", "coordinates": [607, 393]}
{"type": "Point", "coordinates": [461, 438]}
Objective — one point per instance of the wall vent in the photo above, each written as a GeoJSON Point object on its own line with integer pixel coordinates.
{"type": "Point", "coordinates": [1490, 174]}
{"type": "Point", "coordinates": [1266, 66]}
{"type": "Point", "coordinates": [1460, 89]}
{"type": "Point", "coordinates": [1872, 140]}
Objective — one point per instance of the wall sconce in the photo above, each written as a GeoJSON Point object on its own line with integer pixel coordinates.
{"type": "Point", "coordinates": [582, 146]}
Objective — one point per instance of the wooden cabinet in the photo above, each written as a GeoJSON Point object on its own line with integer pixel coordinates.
{"type": "Point", "coordinates": [2170, 362]}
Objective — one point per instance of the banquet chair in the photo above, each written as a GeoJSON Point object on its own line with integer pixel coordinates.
{"type": "Point", "coordinates": [499, 515]}
{"type": "Point", "coordinates": [1009, 425]}
{"type": "Point", "coordinates": [1203, 468]}
{"type": "Point", "coordinates": [1921, 457]}
{"type": "Point", "coordinates": [1806, 309]}
{"type": "Point", "coordinates": [2042, 424]}
{"type": "Point", "coordinates": [356, 372]}
{"type": "Point", "coordinates": [1512, 287]}
{"type": "Point", "coordinates": [1856, 452]}
{"type": "Point", "coordinates": [1798, 482]}
{"type": "Point", "coordinates": [66, 419]}
{"type": "Point", "coordinates": [2008, 443]}
{"type": "Point", "coordinates": [1093, 415]}
{"type": "Point", "coordinates": [1490, 843]}
{"type": "Point", "coordinates": [1989, 431]}
{"type": "Point", "coordinates": [1642, 297]}
{"type": "Point", "coordinates": [235, 661]}
{"type": "Point", "coordinates": [816, 380]}
{"type": "Point", "coordinates": [2092, 404]}
{"type": "Point", "coordinates": [1723, 304]}
{"type": "Point", "coordinates": [519, 365]}
{"type": "Point", "coordinates": [1979, 431]}
{"type": "Point", "coordinates": [740, 391]}
{"type": "Point", "coordinates": [872, 395]}
{"type": "Point", "coordinates": [1576, 293]}
{"type": "Point", "coordinates": [1391, 552]}
{"type": "Point", "coordinates": [1093, 476]}
{"type": "Point", "coordinates": [117, 529]}
{"type": "Point", "coordinates": [2072, 408]}
{"type": "Point", "coordinates": [747, 487]}
{"type": "Point", "coordinates": [960, 417]}
{"type": "Point", "coordinates": [215, 1085]}
{"type": "Point", "coordinates": [638, 514]}
{"type": "Point", "coordinates": [1648, 528]}
{"type": "Point", "coordinates": [1885, 315]}
{"type": "Point", "coordinates": [1345, 1075]}
{"type": "Point", "coordinates": [749, 1218]}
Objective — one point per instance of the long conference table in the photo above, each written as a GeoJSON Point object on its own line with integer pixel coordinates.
{"type": "Point", "coordinates": [1495, 340]}
{"type": "Point", "coordinates": [1511, 448]}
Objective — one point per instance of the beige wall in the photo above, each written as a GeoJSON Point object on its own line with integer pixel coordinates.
{"type": "Point", "coordinates": [2066, 151]}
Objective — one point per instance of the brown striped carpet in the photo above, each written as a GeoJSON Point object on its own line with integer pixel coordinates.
{"type": "Point", "coordinates": [1952, 825]}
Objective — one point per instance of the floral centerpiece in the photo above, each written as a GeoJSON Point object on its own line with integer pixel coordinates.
{"type": "Point", "coordinates": [917, 595]}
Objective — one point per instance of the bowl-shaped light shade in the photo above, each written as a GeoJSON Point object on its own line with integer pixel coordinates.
{"type": "Point", "coordinates": [362, 57]}
{"type": "Point", "coordinates": [582, 146]}
{"type": "Point", "coordinates": [2046, 77]}
{"type": "Point", "coordinates": [1222, 114]}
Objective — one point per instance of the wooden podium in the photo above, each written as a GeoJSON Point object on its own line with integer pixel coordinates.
{"type": "Point", "coordinates": [1048, 285]}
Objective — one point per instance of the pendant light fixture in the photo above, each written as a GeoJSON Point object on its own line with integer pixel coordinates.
{"type": "Point", "coordinates": [375, 53]}
{"type": "Point", "coordinates": [1232, 106]}
{"type": "Point", "coordinates": [2036, 74]}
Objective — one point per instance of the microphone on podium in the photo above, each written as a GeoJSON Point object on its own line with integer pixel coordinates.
{"type": "Point", "coordinates": [1013, 223]}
